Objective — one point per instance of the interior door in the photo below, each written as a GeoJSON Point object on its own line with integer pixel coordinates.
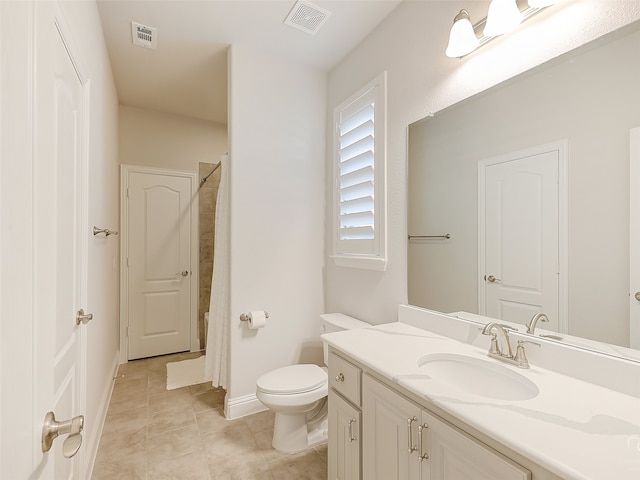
{"type": "Point", "coordinates": [634, 241]}
{"type": "Point", "coordinates": [61, 235]}
{"type": "Point", "coordinates": [519, 244]}
{"type": "Point", "coordinates": [158, 263]}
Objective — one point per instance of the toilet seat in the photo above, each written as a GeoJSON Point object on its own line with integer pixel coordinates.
{"type": "Point", "coordinates": [293, 379]}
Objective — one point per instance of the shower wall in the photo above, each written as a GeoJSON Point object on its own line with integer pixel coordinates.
{"type": "Point", "coordinates": [206, 211]}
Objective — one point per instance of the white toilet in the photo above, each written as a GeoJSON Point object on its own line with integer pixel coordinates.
{"type": "Point", "coordinates": [298, 395]}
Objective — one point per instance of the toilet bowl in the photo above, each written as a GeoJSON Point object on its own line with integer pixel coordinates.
{"type": "Point", "coordinates": [298, 396]}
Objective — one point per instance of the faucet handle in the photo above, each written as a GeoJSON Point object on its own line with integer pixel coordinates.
{"type": "Point", "coordinates": [521, 356]}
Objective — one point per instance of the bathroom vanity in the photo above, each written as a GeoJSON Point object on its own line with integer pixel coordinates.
{"type": "Point", "coordinates": [408, 402]}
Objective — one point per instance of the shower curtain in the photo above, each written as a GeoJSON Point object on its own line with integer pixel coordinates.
{"type": "Point", "coordinates": [218, 332]}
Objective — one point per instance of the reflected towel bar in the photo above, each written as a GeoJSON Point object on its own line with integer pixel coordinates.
{"type": "Point", "coordinates": [447, 236]}
{"type": "Point", "coordinates": [106, 231]}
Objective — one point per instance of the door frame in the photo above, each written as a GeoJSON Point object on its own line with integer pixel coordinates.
{"type": "Point", "coordinates": [634, 237]}
{"type": "Point", "coordinates": [562, 147]}
{"type": "Point", "coordinates": [125, 171]}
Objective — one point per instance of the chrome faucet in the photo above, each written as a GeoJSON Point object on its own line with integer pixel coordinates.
{"type": "Point", "coordinates": [519, 359]}
{"type": "Point", "coordinates": [502, 331]}
{"type": "Point", "coordinates": [531, 326]}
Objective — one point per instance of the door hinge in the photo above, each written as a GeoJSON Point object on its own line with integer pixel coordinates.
{"type": "Point", "coordinates": [127, 262]}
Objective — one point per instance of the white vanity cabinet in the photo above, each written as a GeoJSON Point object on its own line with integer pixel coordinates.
{"type": "Point", "coordinates": [402, 441]}
{"type": "Point", "coordinates": [345, 420]}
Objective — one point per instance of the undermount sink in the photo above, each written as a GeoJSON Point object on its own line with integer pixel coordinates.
{"type": "Point", "coordinates": [479, 377]}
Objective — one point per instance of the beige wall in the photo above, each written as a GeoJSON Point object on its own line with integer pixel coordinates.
{"type": "Point", "coordinates": [153, 139]}
{"type": "Point", "coordinates": [276, 126]}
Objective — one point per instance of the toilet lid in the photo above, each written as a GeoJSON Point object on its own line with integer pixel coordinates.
{"type": "Point", "coordinates": [292, 379]}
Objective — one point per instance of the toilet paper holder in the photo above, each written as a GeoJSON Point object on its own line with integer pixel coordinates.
{"type": "Point", "coordinates": [246, 317]}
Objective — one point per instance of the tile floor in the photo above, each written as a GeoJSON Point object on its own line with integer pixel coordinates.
{"type": "Point", "coordinates": [152, 433]}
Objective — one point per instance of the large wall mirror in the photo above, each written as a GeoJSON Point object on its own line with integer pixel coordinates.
{"type": "Point", "coordinates": [581, 107]}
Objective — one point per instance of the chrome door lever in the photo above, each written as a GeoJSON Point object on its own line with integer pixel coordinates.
{"type": "Point", "coordinates": [82, 317]}
{"type": "Point", "coordinates": [52, 429]}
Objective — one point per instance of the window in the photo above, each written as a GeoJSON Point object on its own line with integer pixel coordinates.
{"type": "Point", "coordinates": [359, 186]}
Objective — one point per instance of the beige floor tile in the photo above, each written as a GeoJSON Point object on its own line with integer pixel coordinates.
{"type": "Point", "coordinates": [132, 467]}
{"type": "Point", "coordinates": [134, 369]}
{"type": "Point", "coordinates": [126, 421]}
{"type": "Point", "coordinates": [307, 465]}
{"type": "Point", "coordinates": [259, 422]}
{"type": "Point", "coordinates": [192, 466]}
{"type": "Point", "coordinates": [157, 383]}
{"type": "Point", "coordinates": [123, 400]}
{"type": "Point", "coordinates": [208, 399]}
{"type": "Point", "coordinates": [125, 384]}
{"type": "Point", "coordinates": [114, 445]}
{"type": "Point", "coordinates": [264, 441]}
{"type": "Point", "coordinates": [203, 387]}
{"type": "Point", "coordinates": [173, 444]}
{"type": "Point", "coordinates": [171, 420]}
{"type": "Point", "coordinates": [154, 434]}
{"type": "Point", "coordinates": [240, 468]}
{"type": "Point", "coordinates": [210, 421]}
{"type": "Point", "coordinates": [233, 440]}
{"type": "Point", "coordinates": [169, 400]}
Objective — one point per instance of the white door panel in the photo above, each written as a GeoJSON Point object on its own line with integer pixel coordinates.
{"type": "Point", "coordinates": [159, 264]}
{"type": "Point", "coordinates": [520, 238]}
{"type": "Point", "coordinates": [61, 234]}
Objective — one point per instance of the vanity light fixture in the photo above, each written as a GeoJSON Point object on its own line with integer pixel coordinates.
{"type": "Point", "coordinates": [503, 16]}
{"type": "Point", "coordinates": [462, 39]}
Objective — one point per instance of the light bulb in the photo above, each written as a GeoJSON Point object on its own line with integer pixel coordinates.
{"type": "Point", "coordinates": [503, 16]}
{"type": "Point", "coordinates": [462, 39]}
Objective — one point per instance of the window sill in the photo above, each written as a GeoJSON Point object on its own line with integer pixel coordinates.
{"type": "Point", "coordinates": [364, 263]}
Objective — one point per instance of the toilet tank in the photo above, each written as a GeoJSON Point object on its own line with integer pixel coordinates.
{"type": "Point", "coordinates": [337, 322]}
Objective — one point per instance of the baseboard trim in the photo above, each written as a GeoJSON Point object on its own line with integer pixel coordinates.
{"type": "Point", "coordinates": [94, 441]}
{"type": "Point", "coordinates": [242, 406]}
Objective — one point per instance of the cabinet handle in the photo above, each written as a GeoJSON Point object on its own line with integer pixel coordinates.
{"type": "Point", "coordinates": [421, 456]}
{"type": "Point", "coordinates": [351, 437]}
{"type": "Point", "coordinates": [410, 448]}
{"type": "Point", "coordinates": [340, 378]}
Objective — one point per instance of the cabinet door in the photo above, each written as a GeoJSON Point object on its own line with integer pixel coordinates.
{"type": "Point", "coordinates": [456, 456]}
{"type": "Point", "coordinates": [389, 433]}
{"type": "Point", "coordinates": [344, 439]}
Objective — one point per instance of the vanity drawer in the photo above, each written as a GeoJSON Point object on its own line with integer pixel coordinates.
{"type": "Point", "coordinates": [344, 378]}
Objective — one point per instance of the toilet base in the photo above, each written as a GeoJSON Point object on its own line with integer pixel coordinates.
{"type": "Point", "coordinates": [292, 433]}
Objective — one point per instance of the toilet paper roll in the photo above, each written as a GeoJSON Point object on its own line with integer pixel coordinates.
{"type": "Point", "coordinates": [258, 319]}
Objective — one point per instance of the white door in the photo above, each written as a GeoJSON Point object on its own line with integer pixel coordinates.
{"type": "Point", "coordinates": [634, 241]}
{"type": "Point", "coordinates": [159, 267]}
{"type": "Point", "coordinates": [520, 237]}
{"type": "Point", "coordinates": [61, 235]}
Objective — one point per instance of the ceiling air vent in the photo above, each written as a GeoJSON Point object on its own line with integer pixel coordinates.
{"type": "Point", "coordinates": [307, 17]}
{"type": "Point", "coordinates": [144, 36]}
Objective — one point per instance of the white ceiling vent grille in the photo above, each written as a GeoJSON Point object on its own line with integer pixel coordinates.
{"type": "Point", "coordinates": [144, 36]}
{"type": "Point", "coordinates": [307, 17]}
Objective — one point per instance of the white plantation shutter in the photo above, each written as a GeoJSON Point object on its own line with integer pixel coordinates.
{"type": "Point", "coordinates": [359, 184]}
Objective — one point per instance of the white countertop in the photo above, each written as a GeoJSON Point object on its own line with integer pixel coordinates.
{"type": "Point", "coordinates": [575, 429]}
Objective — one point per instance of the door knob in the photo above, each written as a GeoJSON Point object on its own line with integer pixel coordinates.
{"type": "Point", "coordinates": [82, 317]}
{"type": "Point", "coordinates": [492, 279]}
{"type": "Point", "coordinates": [637, 295]}
{"type": "Point", "coordinates": [184, 273]}
{"type": "Point", "coordinates": [52, 429]}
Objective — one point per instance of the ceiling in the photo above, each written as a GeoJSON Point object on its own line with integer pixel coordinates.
{"type": "Point", "coordinates": [187, 73]}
